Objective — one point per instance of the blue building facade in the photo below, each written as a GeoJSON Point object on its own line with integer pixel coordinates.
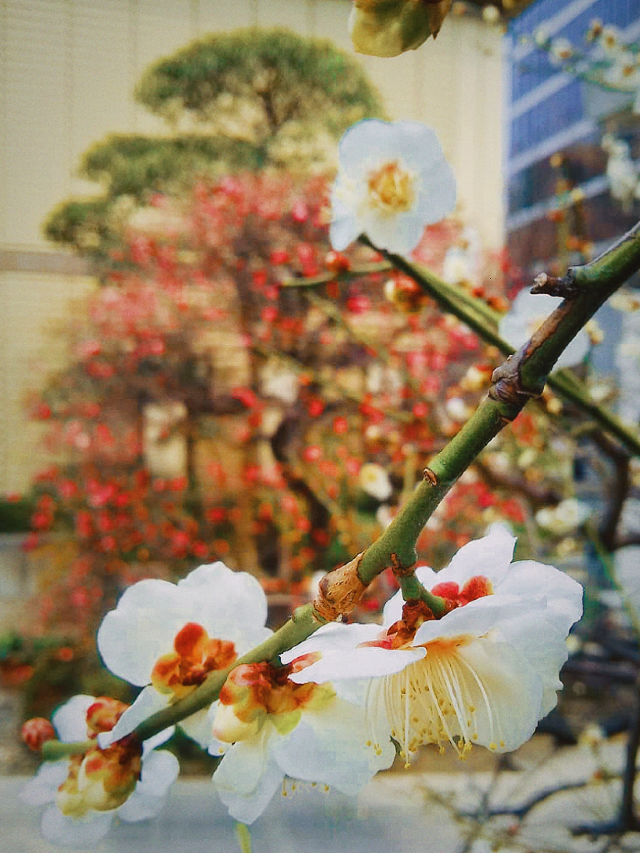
{"type": "Point", "coordinates": [551, 112]}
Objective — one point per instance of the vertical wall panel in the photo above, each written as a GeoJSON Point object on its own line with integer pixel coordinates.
{"type": "Point", "coordinates": [35, 144]}
{"type": "Point", "coordinates": [283, 13]}
{"type": "Point", "coordinates": [33, 306]}
{"type": "Point", "coordinates": [99, 79]}
{"type": "Point", "coordinates": [216, 15]}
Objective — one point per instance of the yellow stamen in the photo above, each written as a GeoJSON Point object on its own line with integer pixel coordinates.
{"type": "Point", "coordinates": [391, 188]}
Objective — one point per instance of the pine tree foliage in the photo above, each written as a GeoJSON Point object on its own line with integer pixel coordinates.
{"type": "Point", "coordinates": [244, 100]}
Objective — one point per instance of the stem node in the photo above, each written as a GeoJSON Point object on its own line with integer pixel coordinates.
{"type": "Point", "coordinates": [340, 590]}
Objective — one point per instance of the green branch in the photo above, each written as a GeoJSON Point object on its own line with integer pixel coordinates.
{"type": "Point", "coordinates": [483, 320]}
{"type": "Point", "coordinates": [521, 377]}
{"type": "Point", "coordinates": [605, 274]}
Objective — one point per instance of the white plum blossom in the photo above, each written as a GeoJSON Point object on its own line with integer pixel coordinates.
{"type": "Point", "coordinates": [85, 792]}
{"type": "Point", "coordinates": [560, 49]}
{"type": "Point", "coordinates": [279, 381]}
{"type": "Point", "coordinates": [168, 637]}
{"type": "Point", "coordinates": [374, 480]}
{"type": "Point", "coordinates": [621, 171]}
{"type": "Point", "coordinates": [528, 312]}
{"type": "Point", "coordinates": [309, 732]}
{"type": "Point", "coordinates": [484, 673]}
{"type": "Point", "coordinates": [566, 517]}
{"type": "Point", "coordinates": [392, 181]}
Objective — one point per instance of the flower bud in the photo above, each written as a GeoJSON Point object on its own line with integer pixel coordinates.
{"type": "Point", "coordinates": [229, 728]}
{"type": "Point", "coordinates": [390, 27]}
{"type": "Point", "coordinates": [104, 714]}
{"type": "Point", "coordinates": [100, 780]}
{"type": "Point", "coordinates": [37, 731]}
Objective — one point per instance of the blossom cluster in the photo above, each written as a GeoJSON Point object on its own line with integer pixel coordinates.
{"type": "Point", "coordinates": [333, 710]}
{"type": "Point", "coordinates": [607, 60]}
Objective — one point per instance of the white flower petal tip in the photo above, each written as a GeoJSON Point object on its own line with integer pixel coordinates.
{"type": "Point", "coordinates": [566, 517]}
{"type": "Point", "coordinates": [528, 312]}
{"type": "Point", "coordinates": [393, 180]}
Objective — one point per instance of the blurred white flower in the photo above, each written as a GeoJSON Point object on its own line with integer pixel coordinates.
{"type": "Point", "coordinates": [158, 222]}
{"type": "Point", "coordinates": [385, 515]}
{"type": "Point", "coordinates": [564, 518]}
{"type": "Point", "coordinates": [625, 300]}
{"type": "Point", "coordinates": [374, 480]}
{"type": "Point", "coordinates": [621, 171]}
{"type": "Point", "coordinates": [461, 263]}
{"type": "Point", "coordinates": [490, 14]}
{"type": "Point", "coordinates": [277, 380]}
{"type": "Point", "coordinates": [560, 50]}
{"type": "Point", "coordinates": [541, 37]}
{"type": "Point", "coordinates": [528, 312]}
{"type": "Point", "coordinates": [457, 409]}
{"type": "Point", "coordinates": [392, 181]}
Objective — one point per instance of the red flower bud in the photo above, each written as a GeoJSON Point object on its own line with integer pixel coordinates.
{"type": "Point", "coordinates": [37, 731]}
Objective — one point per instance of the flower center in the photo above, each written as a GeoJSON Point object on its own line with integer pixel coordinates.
{"type": "Point", "coordinates": [414, 613]}
{"type": "Point", "coordinates": [195, 656]}
{"type": "Point", "coordinates": [255, 693]}
{"type": "Point", "coordinates": [436, 700]}
{"type": "Point", "coordinates": [390, 188]}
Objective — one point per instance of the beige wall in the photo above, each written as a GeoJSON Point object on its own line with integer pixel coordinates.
{"type": "Point", "coordinates": [67, 72]}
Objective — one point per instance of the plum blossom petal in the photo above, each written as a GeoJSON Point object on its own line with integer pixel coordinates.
{"type": "Point", "coordinates": [528, 578]}
{"type": "Point", "coordinates": [78, 833]}
{"type": "Point", "coordinates": [148, 702]}
{"type": "Point", "coordinates": [324, 747]}
{"type": "Point", "coordinates": [248, 777]}
{"type": "Point", "coordinates": [69, 720]}
{"type": "Point", "coordinates": [237, 593]}
{"type": "Point", "coordinates": [357, 663]}
{"type": "Point", "coordinates": [480, 692]}
{"type": "Point", "coordinates": [150, 613]}
{"type": "Point", "coordinates": [333, 637]}
{"type": "Point", "coordinates": [132, 637]}
{"type": "Point", "coordinates": [41, 789]}
{"type": "Point", "coordinates": [393, 180]}
{"type": "Point", "coordinates": [545, 659]}
{"type": "Point", "coordinates": [490, 666]}
{"type": "Point", "coordinates": [527, 313]}
{"type": "Point", "coordinates": [159, 771]}
{"type": "Point", "coordinates": [494, 551]}
{"type": "Point", "coordinates": [198, 728]}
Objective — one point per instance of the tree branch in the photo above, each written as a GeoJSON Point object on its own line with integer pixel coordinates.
{"type": "Point", "coordinates": [521, 377]}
